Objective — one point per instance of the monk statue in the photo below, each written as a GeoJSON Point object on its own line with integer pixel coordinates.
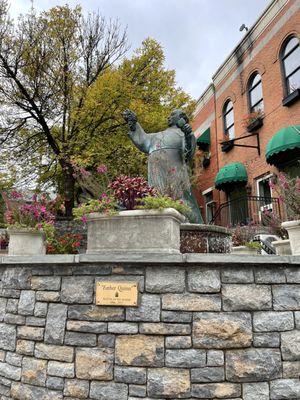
{"type": "Point", "coordinates": [169, 152]}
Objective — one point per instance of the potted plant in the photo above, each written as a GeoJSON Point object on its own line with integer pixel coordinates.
{"type": "Point", "coordinates": [26, 220]}
{"type": "Point", "coordinates": [253, 121]}
{"type": "Point", "coordinates": [132, 217]}
{"type": "Point", "coordinates": [242, 240]}
{"type": "Point", "coordinates": [289, 194]}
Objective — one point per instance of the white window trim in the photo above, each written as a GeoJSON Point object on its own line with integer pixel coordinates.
{"type": "Point", "coordinates": [263, 178]}
{"type": "Point", "coordinates": [208, 190]}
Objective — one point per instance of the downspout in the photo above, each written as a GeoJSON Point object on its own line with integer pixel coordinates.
{"type": "Point", "coordinates": [216, 134]}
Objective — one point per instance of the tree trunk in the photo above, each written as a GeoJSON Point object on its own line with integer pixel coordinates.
{"type": "Point", "coordinates": [69, 188]}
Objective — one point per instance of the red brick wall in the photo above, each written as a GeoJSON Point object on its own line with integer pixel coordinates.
{"type": "Point", "coordinates": [267, 63]}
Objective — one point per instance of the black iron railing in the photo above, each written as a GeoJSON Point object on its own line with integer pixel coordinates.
{"type": "Point", "coordinates": [246, 210]}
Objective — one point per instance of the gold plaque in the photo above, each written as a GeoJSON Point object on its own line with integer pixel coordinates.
{"type": "Point", "coordinates": [112, 293]}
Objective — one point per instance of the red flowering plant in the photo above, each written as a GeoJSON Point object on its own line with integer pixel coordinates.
{"type": "Point", "coordinates": [30, 214]}
{"type": "Point", "coordinates": [65, 244]}
{"type": "Point", "coordinates": [248, 119]}
{"type": "Point", "coordinates": [129, 191]}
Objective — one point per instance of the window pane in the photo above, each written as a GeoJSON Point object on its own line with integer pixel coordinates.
{"type": "Point", "coordinates": [229, 119]}
{"type": "Point", "coordinates": [255, 80]}
{"type": "Point", "coordinates": [293, 82]}
{"type": "Point", "coordinates": [258, 107]}
{"type": "Point", "coordinates": [230, 132]}
{"type": "Point", "coordinates": [292, 61]}
{"type": "Point", "coordinates": [229, 106]}
{"type": "Point", "coordinates": [256, 94]}
{"type": "Point", "coordinates": [208, 197]}
{"type": "Point", "coordinates": [264, 188]}
{"type": "Point", "coordinates": [292, 43]}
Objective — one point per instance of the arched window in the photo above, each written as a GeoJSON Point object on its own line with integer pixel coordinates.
{"type": "Point", "coordinates": [255, 93]}
{"type": "Point", "coordinates": [228, 119]}
{"type": "Point", "coordinates": [290, 61]}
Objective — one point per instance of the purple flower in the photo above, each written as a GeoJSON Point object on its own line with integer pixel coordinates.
{"type": "Point", "coordinates": [102, 169]}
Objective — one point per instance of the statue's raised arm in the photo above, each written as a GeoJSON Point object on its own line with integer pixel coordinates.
{"type": "Point", "coordinates": [136, 132]}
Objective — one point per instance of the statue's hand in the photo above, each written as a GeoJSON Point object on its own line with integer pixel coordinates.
{"type": "Point", "coordinates": [131, 119]}
{"type": "Point", "coordinates": [187, 129]}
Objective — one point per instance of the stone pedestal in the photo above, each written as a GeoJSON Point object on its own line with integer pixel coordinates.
{"type": "Point", "coordinates": [139, 231]}
{"type": "Point", "coordinates": [293, 229]}
{"type": "Point", "coordinates": [282, 247]}
{"type": "Point", "coordinates": [23, 242]}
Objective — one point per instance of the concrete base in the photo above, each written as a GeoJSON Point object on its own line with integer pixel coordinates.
{"type": "Point", "coordinates": [22, 242]}
{"type": "Point", "coordinates": [282, 247]}
{"type": "Point", "coordinates": [139, 231]}
{"type": "Point", "coordinates": [243, 250]}
{"type": "Point", "coordinates": [293, 229]}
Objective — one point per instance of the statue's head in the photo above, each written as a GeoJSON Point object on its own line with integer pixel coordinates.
{"type": "Point", "coordinates": [175, 116]}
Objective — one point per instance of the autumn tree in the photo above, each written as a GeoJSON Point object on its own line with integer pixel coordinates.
{"type": "Point", "coordinates": [64, 85]}
{"type": "Point", "coordinates": [141, 83]}
{"type": "Point", "coordinates": [48, 62]}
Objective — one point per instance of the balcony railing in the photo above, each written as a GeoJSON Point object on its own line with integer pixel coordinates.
{"type": "Point", "coordinates": [246, 210]}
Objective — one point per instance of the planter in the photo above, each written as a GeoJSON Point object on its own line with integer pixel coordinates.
{"type": "Point", "coordinates": [244, 250]}
{"type": "Point", "coordinates": [255, 125]}
{"type": "Point", "coordinates": [26, 243]}
{"type": "Point", "coordinates": [282, 247]}
{"type": "Point", "coordinates": [293, 229]}
{"type": "Point", "coordinates": [139, 231]}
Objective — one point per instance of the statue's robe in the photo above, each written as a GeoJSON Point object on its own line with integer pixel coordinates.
{"type": "Point", "coordinates": [168, 152]}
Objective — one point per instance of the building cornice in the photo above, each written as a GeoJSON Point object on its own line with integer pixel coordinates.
{"type": "Point", "coordinates": [204, 98]}
{"type": "Point", "coordinates": [264, 20]}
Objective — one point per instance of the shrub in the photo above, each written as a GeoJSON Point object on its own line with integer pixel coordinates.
{"type": "Point", "coordinates": [104, 205]}
{"type": "Point", "coordinates": [128, 191]}
{"type": "Point", "coordinates": [161, 202]}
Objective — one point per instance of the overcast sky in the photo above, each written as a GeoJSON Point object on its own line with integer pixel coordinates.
{"type": "Point", "coordinates": [197, 35]}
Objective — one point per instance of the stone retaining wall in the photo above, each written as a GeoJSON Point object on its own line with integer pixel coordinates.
{"type": "Point", "coordinates": [212, 329]}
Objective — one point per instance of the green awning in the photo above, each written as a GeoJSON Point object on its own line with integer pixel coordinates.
{"type": "Point", "coordinates": [204, 137]}
{"type": "Point", "coordinates": [231, 173]}
{"type": "Point", "coordinates": [284, 145]}
{"type": "Point", "coordinates": [203, 140]}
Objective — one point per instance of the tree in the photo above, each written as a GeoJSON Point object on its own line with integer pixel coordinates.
{"type": "Point", "coordinates": [141, 83]}
{"type": "Point", "coordinates": [48, 62]}
{"type": "Point", "coordinates": [64, 85]}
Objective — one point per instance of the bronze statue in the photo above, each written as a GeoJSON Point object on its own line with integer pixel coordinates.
{"type": "Point", "coordinates": [169, 151]}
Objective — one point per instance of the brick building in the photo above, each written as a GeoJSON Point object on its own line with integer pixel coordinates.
{"type": "Point", "coordinates": [260, 83]}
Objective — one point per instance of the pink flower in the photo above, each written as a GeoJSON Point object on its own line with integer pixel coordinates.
{"type": "Point", "coordinates": [84, 172]}
{"type": "Point", "coordinates": [43, 209]}
{"type": "Point", "coordinates": [102, 169]}
{"type": "Point", "coordinates": [84, 219]}
{"type": "Point", "coordinates": [15, 194]}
